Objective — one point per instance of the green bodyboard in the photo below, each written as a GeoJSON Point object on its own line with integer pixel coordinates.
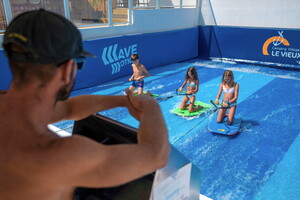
{"type": "Point", "coordinates": [186, 113]}
{"type": "Point", "coordinates": [153, 95]}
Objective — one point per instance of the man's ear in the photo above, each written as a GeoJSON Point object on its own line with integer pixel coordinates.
{"type": "Point", "coordinates": [66, 70]}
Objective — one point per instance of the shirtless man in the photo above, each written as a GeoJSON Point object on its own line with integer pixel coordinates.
{"type": "Point", "coordinates": [36, 164]}
{"type": "Point", "coordinates": [139, 73]}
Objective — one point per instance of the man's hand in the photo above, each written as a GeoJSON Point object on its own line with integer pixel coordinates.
{"type": "Point", "coordinates": [138, 103]}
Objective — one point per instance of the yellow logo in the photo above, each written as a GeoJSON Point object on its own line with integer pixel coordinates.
{"type": "Point", "coordinates": [220, 129]}
{"type": "Point", "coordinates": [276, 41]}
{"type": "Point", "coordinates": [19, 36]}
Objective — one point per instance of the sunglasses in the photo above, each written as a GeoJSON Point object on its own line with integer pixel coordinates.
{"type": "Point", "coordinates": [80, 61]}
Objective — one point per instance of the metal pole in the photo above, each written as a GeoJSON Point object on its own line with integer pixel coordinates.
{"type": "Point", "coordinates": [109, 7]}
{"type": "Point", "coordinates": [67, 9]}
{"type": "Point", "coordinates": [157, 4]}
{"type": "Point", "coordinates": [7, 11]}
{"type": "Point", "coordinates": [130, 12]}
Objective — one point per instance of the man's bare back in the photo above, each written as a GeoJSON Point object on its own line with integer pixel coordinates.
{"type": "Point", "coordinates": [38, 164]}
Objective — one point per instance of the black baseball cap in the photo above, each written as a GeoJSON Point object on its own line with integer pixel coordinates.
{"type": "Point", "coordinates": [45, 37]}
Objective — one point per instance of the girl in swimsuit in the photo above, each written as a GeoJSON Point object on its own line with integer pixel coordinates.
{"type": "Point", "coordinates": [192, 82]}
{"type": "Point", "coordinates": [231, 93]}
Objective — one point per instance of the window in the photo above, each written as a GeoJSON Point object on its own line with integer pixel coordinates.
{"type": "Point", "coordinates": [88, 11]}
{"type": "Point", "coordinates": [169, 3]}
{"type": "Point", "coordinates": [143, 3]}
{"type": "Point", "coordinates": [20, 6]}
{"type": "Point", "coordinates": [189, 3]}
{"type": "Point", "coordinates": [120, 11]}
{"type": "Point", "coordinates": [2, 17]}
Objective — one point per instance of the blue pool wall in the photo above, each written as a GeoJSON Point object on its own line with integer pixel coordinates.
{"type": "Point", "coordinates": [5, 73]}
{"type": "Point", "coordinates": [278, 47]}
{"type": "Point", "coordinates": [113, 55]}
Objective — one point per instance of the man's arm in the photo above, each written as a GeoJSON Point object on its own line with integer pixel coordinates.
{"type": "Point", "coordinates": [87, 163]}
{"type": "Point", "coordinates": [80, 107]}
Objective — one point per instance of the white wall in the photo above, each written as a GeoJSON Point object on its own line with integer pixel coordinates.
{"type": "Point", "coordinates": [145, 21]}
{"type": "Point", "coordinates": [148, 21]}
{"type": "Point", "coordinates": [251, 13]}
{"type": "Point", "coordinates": [246, 13]}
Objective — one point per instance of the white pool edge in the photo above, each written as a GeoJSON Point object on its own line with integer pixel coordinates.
{"type": "Point", "coordinates": [59, 131]}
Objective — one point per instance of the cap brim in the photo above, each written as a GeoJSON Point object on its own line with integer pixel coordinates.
{"type": "Point", "coordinates": [87, 54]}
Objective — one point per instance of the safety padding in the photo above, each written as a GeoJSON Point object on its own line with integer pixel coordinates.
{"type": "Point", "coordinates": [154, 49]}
{"type": "Point", "coordinates": [276, 46]}
{"type": "Point", "coordinates": [5, 73]}
{"type": "Point", "coordinates": [113, 55]}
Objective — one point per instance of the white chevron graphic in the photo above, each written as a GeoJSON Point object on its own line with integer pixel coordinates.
{"type": "Point", "coordinates": [115, 67]}
{"type": "Point", "coordinates": [117, 58]}
{"type": "Point", "coordinates": [109, 54]}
